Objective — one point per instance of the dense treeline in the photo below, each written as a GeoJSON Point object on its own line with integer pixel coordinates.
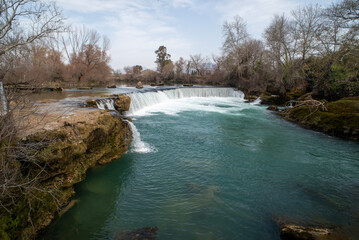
{"type": "Point", "coordinates": [70, 57]}
{"type": "Point", "coordinates": [312, 50]}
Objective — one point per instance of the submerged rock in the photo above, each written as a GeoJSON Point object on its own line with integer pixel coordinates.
{"type": "Point", "coordinates": [273, 108]}
{"type": "Point", "coordinates": [273, 100]}
{"type": "Point", "coordinates": [147, 233]}
{"type": "Point", "coordinates": [91, 103]}
{"type": "Point", "coordinates": [295, 232]}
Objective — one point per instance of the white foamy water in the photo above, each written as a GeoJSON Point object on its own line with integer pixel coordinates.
{"type": "Point", "coordinates": [209, 104]}
{"type": "Point", "coordinates": [105, 104]}
{"type": "Point", "coordinates": [257, 101]}
{"type": "Point", "coordinates": [137, 144]}
{"type": "Point", "coordinates": [147, 103]}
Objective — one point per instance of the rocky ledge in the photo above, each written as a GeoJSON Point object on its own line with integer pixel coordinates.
{"type": "Point", "coordinates": [66, 153]}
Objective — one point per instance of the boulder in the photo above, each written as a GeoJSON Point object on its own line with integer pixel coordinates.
{"type": "Point", "coordinates": [273, 100]}
{"type": "Point", "coordinates": [122, 102]}
{"type": "Point", "coordinates": [91, 103]}
{"type": "Point", "coordinates": [111, 86]}
{"type": "Point", "coordinates": [139, 85]}
{"type": "Point", "coordinates": [273, 108]}
{"type": "Point", "coordinates": [146, 233]}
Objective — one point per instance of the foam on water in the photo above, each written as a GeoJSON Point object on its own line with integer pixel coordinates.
{"type": "Point", "coordinates": [208, 104]}
{"type": "Point", "coordinates": [257, 101]}
{"type": "Point", "coordinates": [104, 104]}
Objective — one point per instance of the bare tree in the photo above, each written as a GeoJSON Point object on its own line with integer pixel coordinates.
{"type": "Point", "coordinates": [199, 64]}
{"type": "Point", "coordinates": [168, 71]}
{"type": "Point", "coordinates": [305, 27]}
{"type": "Point", "coordinates": [235, 34]}
{"type": "Point", "coordinates": [347, 10]}
{"type": "Point", "coordinates": [329, 35]}
{"type": "Point", "coordinates": [179, 67]}
{"type": "Point", "coordinates": [22, 22]}
{"type": "Point", "coordinates": [282, 47]}
{"type": "Point", "coordinates": [87, 55]}
{"type": "Point", "coordinates": [188, 70]}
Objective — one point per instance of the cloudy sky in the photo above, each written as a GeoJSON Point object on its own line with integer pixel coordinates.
{"type": "Point", "coordinates": [137, 28]}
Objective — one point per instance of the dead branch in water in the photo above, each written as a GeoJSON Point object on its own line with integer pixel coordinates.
{"type": "Point", "coordinates": [312, 105]}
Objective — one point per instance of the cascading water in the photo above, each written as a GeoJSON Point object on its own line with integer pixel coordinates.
{"type": "Point", "coordinates": [141, 100]}
{"type": "Point", "coordinates": [137, 144]}
{"type": "Point", "coordinates": [104, 104]}
{"type": "Point", "coordinates": [257, 101]}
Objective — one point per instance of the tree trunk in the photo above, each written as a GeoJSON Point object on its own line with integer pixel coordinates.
{"type": "Point", "coordinates": [3, 111]}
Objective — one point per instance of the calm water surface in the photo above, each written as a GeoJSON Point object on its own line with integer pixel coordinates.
{"type": "Point", "coordinates": [217, 168]}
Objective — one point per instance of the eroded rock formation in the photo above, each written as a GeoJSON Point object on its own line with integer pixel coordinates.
{"type": "Point", "coordinates": [67, 153]}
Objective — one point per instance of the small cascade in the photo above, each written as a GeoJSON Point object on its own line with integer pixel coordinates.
{"type": "Point", "coordinates": [104, 104]}
{"type": "Point", "coordinates": [140, 100]}
{"type": "Point", "coordinates": [257, 101]}
{"type": "Point", "coordinates": [137, 144]}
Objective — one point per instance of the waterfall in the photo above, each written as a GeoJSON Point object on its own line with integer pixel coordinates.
{"type": "Point", "coordinates": [140, 100]}
{"type": "Point", "coordinates": [137, 144]}
{"type": "Point", "coordinates": [105, 104]}
{"type": "Point", "coordinates": [257, 101]}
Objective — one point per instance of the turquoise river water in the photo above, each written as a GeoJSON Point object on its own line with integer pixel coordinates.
{"type": "Point", "coordinates": [216, 168]}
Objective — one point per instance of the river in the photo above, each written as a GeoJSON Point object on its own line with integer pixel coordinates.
{"type": "Point", "coordinates": [205, 167]}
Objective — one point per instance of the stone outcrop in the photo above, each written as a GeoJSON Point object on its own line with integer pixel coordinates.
{"type": "Point", "coordinates": [339, 118]}
{"type": "Point", "coordinates": [147, 233]}
{"type": "Point", "coordinates": [273, 108]}
{"type": "Point", "coordinates": [139, 85]}
{"type": "Point", "coordinates": [295, 232]}
{"type": "Point", "coordinates": [122, 102]}
{"type": "Point", "coordinates": [66, 154]}
{"type": "Point", "coordinates": [91, 103]}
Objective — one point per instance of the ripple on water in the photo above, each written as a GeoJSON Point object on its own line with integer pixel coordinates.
{"type": "Point", "coordinates": [218, 175]}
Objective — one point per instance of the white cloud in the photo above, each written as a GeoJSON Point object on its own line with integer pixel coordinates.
{"type": "Point", "coordinates": [182, 3]}
{"type": "Point", "coordinates": [136, 28]}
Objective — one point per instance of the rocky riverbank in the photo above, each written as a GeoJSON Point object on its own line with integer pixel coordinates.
{"type": "Point", "coordinates": [66, 152]}
{"type": "Point", "coordinates": [339, 118]}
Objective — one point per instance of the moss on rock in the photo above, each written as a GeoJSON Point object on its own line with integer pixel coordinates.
{"type": "Point", "coordinates": [67, 153]}
{"type": "Point", "coordinates": [341, 118]}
